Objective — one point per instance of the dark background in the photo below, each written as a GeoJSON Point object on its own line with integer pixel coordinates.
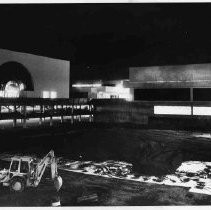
{"type": "Point", "coordinates": [103, 40]}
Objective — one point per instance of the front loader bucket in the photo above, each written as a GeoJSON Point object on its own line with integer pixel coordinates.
{"type": "Point", "coordinates": [58, 182]}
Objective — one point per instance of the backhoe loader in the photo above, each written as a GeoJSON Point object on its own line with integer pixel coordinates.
{"type": "Point", "coordinates": [26, 171]}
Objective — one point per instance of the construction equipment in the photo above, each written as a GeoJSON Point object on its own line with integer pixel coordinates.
{"type": "Point", "coordinates": [26, 171]}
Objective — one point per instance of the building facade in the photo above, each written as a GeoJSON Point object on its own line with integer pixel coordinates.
{"type": "Point", "coordinates": [171, 83]}
{"type": "Point", "coordinates": [175, 90]}
{"type": "Point", "coordinates": [27, 75]}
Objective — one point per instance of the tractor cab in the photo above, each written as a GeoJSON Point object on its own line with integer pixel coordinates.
{"type": "Point", "coordinates": [26, 171]}
{"type": "Point", "coordinates": [20, 168]}
{"type": "Point", "coordinates": [20, 165]}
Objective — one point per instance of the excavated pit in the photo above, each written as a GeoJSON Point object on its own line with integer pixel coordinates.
{"type": "Point", "coordinates": [132, 166]}
{"type": "Point", "coordinates": [151, 152]}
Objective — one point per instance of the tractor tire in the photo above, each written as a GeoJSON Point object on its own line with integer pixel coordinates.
{"type": "Point", "coordinates": [17, 184]}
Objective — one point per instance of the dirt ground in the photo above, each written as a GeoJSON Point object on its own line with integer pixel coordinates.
{"type": "Point", "coordinates": [152, 152]}
{"type": "Point", "coordinates": [109, 192]}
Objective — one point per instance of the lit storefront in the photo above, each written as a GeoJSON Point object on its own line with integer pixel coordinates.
{"type": "Point", "coordinates": [105, 90]}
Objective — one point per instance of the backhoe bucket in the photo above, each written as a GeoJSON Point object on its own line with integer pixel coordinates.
{"type": "Point", "coordinates": [58, 182]}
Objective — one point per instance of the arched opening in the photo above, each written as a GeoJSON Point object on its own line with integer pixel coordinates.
{"type": "Point", "coordinates": [14, 79]}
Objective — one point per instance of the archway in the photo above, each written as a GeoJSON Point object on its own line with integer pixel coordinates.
{"type": "Point", "coordinates": [14, 78]}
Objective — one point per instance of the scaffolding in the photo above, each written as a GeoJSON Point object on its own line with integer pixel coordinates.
{"type": "Point", "coordinates": [23, 109]}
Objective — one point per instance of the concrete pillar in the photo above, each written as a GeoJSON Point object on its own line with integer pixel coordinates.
{"type": "Point", "coordinates": [90, 118]}
{"type": "Point", "coordinates": [132, 94]}
{"type": "Point", "coordinates": [40, 121]}
{"type": "Point", "coordinates": [72, 116]}
{"type": "Point", "coordinates": [51, 117]}
{"type": "Point", "coordinates": [24, 113]}
{"type": "Point", "coordinates": [191, 99]}
{"type": "Point", "coordinates": [90, 113]}
{"type": "Point", "coordinates": [15, 119]}
{"type": "Point", "coordinates": [44, 111]}
{"type": "Point", "coordinates": [62, 118]}
{"type": "Point", "coordinates": [51, 121]}
{"type": "Point", "coordinates": [191, 94]}
{"type": "Point", "coordinates": [80, 113]}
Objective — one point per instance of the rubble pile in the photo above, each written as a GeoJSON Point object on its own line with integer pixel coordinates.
{"type": "Point", "coordinates": [107, 168]}
{"type": "Point", "coordinates": [195, 175]}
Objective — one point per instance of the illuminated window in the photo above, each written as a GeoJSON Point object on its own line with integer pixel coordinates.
{"type": "Point", "coordinates": [1, 93]}
{"type": "Point", "coordinates": [53, 94]}
{"type": "Point", "coordinates": [49, 94]}
{"type": "Point", "coordinates": [202, 111]}
{"type": "Point", "coordinates": [46, 94]}
{"type": "Point", "coordinates": [21, 86]}
{"type": "Point", "coordinates": [12, 89]}
{"type": "Point", "coordinates": [174, 110]}
{"type": "Point", "coordinates": [119, 91]}
{"type": "Point", "coordinates": [182, 110]}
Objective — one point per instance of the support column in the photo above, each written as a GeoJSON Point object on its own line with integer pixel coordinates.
{"type": "Point", "coordinates": [0, 110]}
{"type": "Point", "coordinates": [90, 113]}
{"type": "Point", "coordinates": [51, 117]}
{"type": "Point", "coordinates": [62, 118]}
{"type": "Point", "coordinates": [80, 113]}
{"type": "Point", "coordinates": [44, 112]}
{"type": "Point", "coordinates": [72, 113]}
{"type": "Point", "coordinates": [24, 114]}
{"type": "Point", "coordinates": [15, 119]}
{"type": "Point", "coordinates": [40, 121]}
{"type": "Point", "coordinates": [191, 99]}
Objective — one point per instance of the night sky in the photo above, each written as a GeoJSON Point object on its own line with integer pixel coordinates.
{"type": "Point", "coordinates": [103, 40]}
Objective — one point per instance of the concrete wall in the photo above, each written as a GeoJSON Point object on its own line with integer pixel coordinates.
{"type": "Point", "coordinates": [121, 111]}
{"type": "Point", "coordinates": [195, 75]}
{"type": "Point", "coordinates": [48, 74]}
{"type": "Point", "coordinates": [142, 113]}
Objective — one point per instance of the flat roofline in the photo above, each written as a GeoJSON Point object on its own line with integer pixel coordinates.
{"type": "Point", "coordinates": [170, 65]}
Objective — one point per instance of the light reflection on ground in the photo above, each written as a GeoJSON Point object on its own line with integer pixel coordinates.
{"type": "Point", "coordinates": [192, 174]}
{"type": "Point", "coordinates": [195, 175]}
{"type": "Point", "coordinates": [203, 135]}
